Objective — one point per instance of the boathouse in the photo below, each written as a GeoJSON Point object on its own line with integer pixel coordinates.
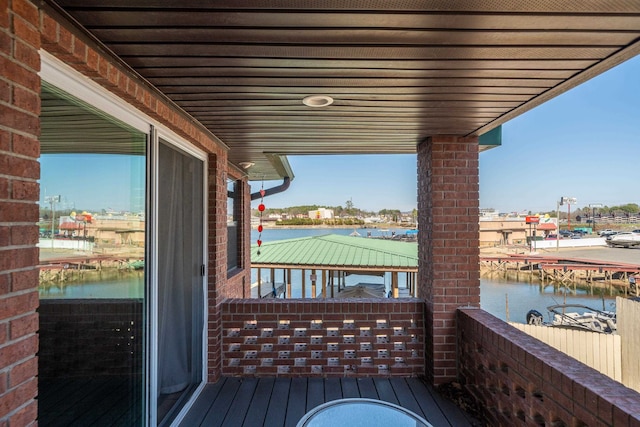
{"type": "Point", "coordinates": [329, 259]}
{"type": "Point", "coordinates": [189, 102]}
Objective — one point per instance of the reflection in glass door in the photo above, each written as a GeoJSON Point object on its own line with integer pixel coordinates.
{"type": "Point", "coordinates": [180, 291]}
{"type": "Point", "coordinates": [92, 249]}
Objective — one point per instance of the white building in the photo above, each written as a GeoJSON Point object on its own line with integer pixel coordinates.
{"type": "Point", "coordinates": [321, 213]}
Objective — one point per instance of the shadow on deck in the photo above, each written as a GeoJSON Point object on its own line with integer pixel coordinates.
{"type": "Point", "coordinates": [275, 402]}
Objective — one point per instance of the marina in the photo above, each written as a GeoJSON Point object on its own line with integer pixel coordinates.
{"type": "Point", "coordinates": [564, 270]}
{"type": "Point", "coordinates": [511, 284]}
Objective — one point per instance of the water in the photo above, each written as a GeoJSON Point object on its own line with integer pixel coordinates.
{"type": "Point", "coordinates": [523, 295]}
{"type": "Point", "coordinates": [97, 285]}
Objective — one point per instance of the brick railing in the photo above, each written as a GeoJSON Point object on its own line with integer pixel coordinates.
{"type": "Point", "coordinates": [374, 337]}
{"type": "Point", "coordinates": [518, 380]}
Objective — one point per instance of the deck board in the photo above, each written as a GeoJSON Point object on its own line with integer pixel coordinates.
{"type": "Point", "coordinates": [277, 402]}
{"type": "Point", "coordinates": [221, 406]}
{"type": "Point", "coordinates": [332, 389]}
{"type": "Point", "coordinates": [385, 391]}
{"type": "Point", "coordinates": [277, 409]}
{"type": "Point", "coordinates": [315, 393]}
{"type": "Point", "coordinates": [406, 399]}
{"type": "Point", "coordinates": [350, 388]}
{"type": "Point", "coordinates": [432, 411]}
{"type": "Point", "coordinates": [367, 388]}
{"type": "Point", "coordinates": [241, 401]}
{"type": "Point", "coordinates": [258, 408]}
{"type": "Point", "coordinates": [201, 406]}
{"type": "Point", "coordinates": [296, 406]}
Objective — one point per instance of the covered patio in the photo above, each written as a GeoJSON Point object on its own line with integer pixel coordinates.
{"type": "Point", "coordinates": [232, 89]}
{"type": "Point", "coordinates": [329, 259]}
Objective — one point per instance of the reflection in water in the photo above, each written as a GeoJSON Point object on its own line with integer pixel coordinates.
{"type": "Point", "coordinates": [98, 285]}
{"type": "Point", "coordinates": [525, 293]}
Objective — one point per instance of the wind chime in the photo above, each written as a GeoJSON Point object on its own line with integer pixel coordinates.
{"type": "Point", "coordinates": [261, 210]}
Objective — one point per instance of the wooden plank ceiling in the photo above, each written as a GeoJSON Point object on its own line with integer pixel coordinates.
{"type": "Point", "coordinates": [398, 71]}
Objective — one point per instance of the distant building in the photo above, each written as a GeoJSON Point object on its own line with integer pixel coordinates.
{"type": "Point", "coordinates": [512, 231]}
{"type": "Point", "coordinates": [321, 213]}
{"type": "Point", "coordinates": [489, 212]}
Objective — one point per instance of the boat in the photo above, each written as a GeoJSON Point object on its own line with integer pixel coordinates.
{"type": "Point", "coordinates": [626, 239]}
{"type": "Point", "coordinates": [363, 290]}
{"type": "Point", "coordinates": [576, 316]}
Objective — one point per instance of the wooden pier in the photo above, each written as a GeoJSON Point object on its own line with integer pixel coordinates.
{"type": "Point", "coordinates": [563, 270]}
{"type": "Point", "coordinates": [61, 269]}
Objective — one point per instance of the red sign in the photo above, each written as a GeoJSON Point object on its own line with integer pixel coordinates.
{"type": "Point", "coordinates": [532, 219]}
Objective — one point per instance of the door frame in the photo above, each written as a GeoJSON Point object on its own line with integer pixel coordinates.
{"type": "Point", "coordinates": [64, 77]}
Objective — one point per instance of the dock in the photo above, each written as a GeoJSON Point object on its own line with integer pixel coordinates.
{"type": "Point", "coordinates": [69, 267]}
{"type": "Point", "coordinates": [563, 270]}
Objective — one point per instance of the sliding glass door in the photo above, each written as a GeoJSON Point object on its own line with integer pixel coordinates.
{"type": "Point", "coordinates": [180, 279]}
{"type": "Point", "coordinates": [122, 248]}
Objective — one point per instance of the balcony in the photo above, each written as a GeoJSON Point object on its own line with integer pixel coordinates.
{"type": "Point", "coordinates": [270, 401]}
{"type": "Point", "coordinates": [516, 380]}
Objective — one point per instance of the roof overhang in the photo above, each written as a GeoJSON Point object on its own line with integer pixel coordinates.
{"type": "Point", "coordinates": [397, 72]}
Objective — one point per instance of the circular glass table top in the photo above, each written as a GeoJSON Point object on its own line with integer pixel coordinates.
{"type": "Point", "coordinates": [361, 413]}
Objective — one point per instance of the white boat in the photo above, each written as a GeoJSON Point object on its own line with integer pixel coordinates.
{"type": "Point", "coordinates": [576, 316]}
{"type": "Point", "coordinates": [626, 239]}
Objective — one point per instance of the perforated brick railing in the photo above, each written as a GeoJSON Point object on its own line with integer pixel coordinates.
{"type": "Point", "coordinates": [518, 380]}
{"type": "Point", "coordinates": [323, 337]}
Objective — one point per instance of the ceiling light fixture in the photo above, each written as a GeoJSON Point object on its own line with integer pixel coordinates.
{"type": "Point", "coordinates": [317, 101]}
{"type": "Point", "coordinates": [246, 165]}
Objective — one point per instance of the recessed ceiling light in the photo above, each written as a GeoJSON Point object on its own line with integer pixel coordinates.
{"type": "Point", "coordinates": [317, 101]}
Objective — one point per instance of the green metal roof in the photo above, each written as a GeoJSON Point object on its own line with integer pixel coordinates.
{"type": "Point", "coordinates": [334, 251]}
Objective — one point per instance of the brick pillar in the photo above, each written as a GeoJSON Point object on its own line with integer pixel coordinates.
{"type": "Point", "coordinates": [19, 192]}
{"type": "Point", "coordinates": [448, 244]}
{"type": "Point", "coordinates": [217, 261]}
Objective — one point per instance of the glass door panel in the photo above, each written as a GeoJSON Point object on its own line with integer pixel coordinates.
{"type": "Point", "coordinates": [92, 253]}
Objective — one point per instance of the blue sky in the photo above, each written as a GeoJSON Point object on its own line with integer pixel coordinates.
{"type": "Point", "coordinates": [101, 181]}
{"type": "Point", "coordinates": [583, 144]}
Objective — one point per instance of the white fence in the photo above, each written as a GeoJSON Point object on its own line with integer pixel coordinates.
{"type": "Point", "coordinates": [628, 315]}
{"type": "Point", "coordinates": [599, 351]}
{"type": "Point", "coordinates": [78, 245]}
{"type": "Point", "coordinates": [616, 356]}
{"type": "Point", "coordinates": [571, 243]}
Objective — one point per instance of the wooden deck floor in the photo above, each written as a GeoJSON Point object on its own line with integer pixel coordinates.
{"type": "Point", "coordinates": [282, 402]}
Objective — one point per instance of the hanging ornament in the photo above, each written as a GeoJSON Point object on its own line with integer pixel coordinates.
{"type": "Point", "coordinates": [261, 210]}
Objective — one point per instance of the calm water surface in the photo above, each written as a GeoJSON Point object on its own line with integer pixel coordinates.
{"type": "Point", "coordinates": [521, 293]}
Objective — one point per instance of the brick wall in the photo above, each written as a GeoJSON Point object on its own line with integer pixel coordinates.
{"type": "Point", "coordinates": [448, 244]}
{"type": "Point", "coordinates": [19, 192]}
{"type": "Point", "coordinates": [518, 380]}
{"type": "Point", "coordinates": [322, 338]}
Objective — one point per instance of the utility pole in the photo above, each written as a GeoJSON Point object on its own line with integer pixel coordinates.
{"type": "Point", "coordinates": [52, 200]}
{"type": "Point", "coordinates": [568, 201]}
{"type": "Point", "coordinates": [593, 207]}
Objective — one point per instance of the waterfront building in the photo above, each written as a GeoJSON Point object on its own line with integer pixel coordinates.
{"type": "Point", "coordinates": [321, 213]}
{"type": "Point", "coordinates": [186, 103]}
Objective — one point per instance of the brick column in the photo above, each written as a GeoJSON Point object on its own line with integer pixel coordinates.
{"type": "Point", "coordinates": [448, 244]}
{"type": "Point", "coordinates": [19, 192]}
{"type": "Point", "coordinates": [217, 258]}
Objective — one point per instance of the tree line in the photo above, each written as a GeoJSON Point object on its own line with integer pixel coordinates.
{"type": "Point", "coordinates": [349, 210]}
